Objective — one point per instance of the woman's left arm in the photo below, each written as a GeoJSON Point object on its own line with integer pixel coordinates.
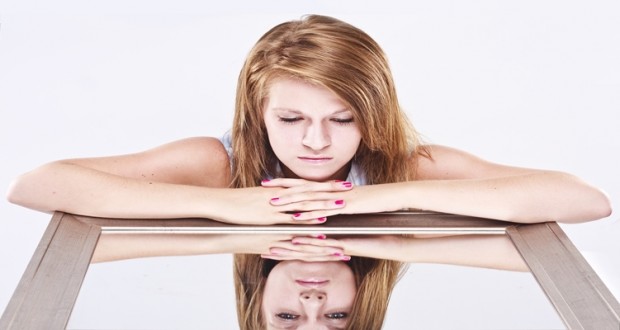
{"type": "Point", "coordinates": [453, 181]}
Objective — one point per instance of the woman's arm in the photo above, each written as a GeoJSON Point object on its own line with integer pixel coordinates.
{"type": "Point", "coordinates": [460, 183]}
{"type": "Point", "coordinates": [456, 182]}
{"type": "Point", "coordinates": [173, 180]}
{"type": "Point", "coordinates": [186, 178]}
{"type": "Point", "coordinates": [485, 251]}
{"type": "Point", "coordinates": [122, 246]}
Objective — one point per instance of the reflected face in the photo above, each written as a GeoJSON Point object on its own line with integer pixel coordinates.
{"type": "Point", "coordinates": [308, 295]}
{"type": "Point", "coordinates": [310, 129]}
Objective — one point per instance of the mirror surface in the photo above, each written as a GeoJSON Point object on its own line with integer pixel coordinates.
{"type": "Point", "coordinates": [176, 286]}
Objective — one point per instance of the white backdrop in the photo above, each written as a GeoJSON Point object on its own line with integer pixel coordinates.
{"type": "Point", "coordinates": [528, 83]}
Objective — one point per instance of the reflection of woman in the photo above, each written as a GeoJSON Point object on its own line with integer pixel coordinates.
{"type": "Point", "coordinates": [284, 294]}
{"type": "Point", "coordinates": [317, 121]}
{"type": "Point", "coordinates": [293, 293]}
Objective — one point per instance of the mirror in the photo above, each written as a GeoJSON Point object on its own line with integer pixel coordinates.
{"type": "Point", "coordinates": [454, 274]}
{"type": "Point", "coordinates": [163, 281]}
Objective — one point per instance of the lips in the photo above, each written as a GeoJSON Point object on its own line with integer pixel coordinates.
{"type": "Point", "coordinates": [315, 159]}
{"type": "Point", "coordinates": [311, 283]}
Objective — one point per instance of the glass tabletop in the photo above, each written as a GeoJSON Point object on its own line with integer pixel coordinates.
{"type": "Point", "coordinates": [145, 291]}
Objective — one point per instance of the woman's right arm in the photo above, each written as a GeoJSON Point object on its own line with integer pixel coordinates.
{"type": "Point", "coordinates": [179, 179]}
{"type": "Point", "coordinates": [183, 179]}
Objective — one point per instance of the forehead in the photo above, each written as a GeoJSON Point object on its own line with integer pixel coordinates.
{"type": "Point", "coordinates": [287, 92]}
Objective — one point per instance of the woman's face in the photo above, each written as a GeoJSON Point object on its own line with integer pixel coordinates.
{"type": "Point", "coordinates": [311, 131]}
{"type": "Point", "coordinates": [308, 295]}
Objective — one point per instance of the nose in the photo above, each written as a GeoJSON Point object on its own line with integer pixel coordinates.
{"type": "Point", "coordinates": [313, 297]}
{"type": "Point", "coordinates": [316, 137]}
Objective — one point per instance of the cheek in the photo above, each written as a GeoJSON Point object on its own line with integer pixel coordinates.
{"type": "Point", "coordinates": [348, 139]}
{"type": "Point", "coordinates": [283, 137]}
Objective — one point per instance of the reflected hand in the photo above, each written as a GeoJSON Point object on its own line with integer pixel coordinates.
{"type": "Point", "coordinates": [295, 249]}
{"type": "Point", "coordinates": [372, 246]}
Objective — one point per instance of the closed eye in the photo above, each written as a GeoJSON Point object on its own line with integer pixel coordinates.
{"type": "Point", "coordinates": [289, 120]}
{"type": "Point", "coordinates": [343, 121]}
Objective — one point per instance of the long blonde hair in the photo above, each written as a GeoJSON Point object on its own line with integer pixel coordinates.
{"type": "Point", "coordinates": [374, 278]}
{"type": "Point", "coordinates": [331, 53]}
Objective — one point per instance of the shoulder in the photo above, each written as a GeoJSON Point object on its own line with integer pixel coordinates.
{"type": "Point", "coordinates": [197, 160]}
{"type": "Point", "coordinates": [200, 161]}
{"type": "Point", "coordinates": [202, 146]}
{"type": "Point", "coordinates": [446, 163]}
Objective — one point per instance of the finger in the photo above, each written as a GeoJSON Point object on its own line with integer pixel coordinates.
{"type": "Point", "coordinates": [296, 186]}
{"type": "Point", "coordinates": [284, 182]}
{"type": "Point", "coordinates": [311, 205]}
{"type": "Point", "coordinates": [306, 240]}
{"type": "Point", "coordinates": [288, 253]}
{"type": "Point", "coordinates": [327, 186]}
{"type": "Point", "coordinates": [335, 200]}
{"type": "Point", "coordinates": [298, 250]}
{"type": "Point", "coordinates": [307, 258]}
{"type": "Point", "coordinates": [319, 216]}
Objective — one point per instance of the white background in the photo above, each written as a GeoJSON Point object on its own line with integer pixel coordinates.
{"type": "Point", "coordinates": [527, 83]}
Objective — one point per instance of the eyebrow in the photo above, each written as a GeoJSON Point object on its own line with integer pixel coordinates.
{"type": "Point", "coordinates": [292, 326]}
{"type": "Point", "coordinates": [271, 324]}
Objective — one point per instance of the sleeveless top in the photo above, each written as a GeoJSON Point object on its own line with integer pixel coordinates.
{"type": "Point", "coordinates": [356, 176]}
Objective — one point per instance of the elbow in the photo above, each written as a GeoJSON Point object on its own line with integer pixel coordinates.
{"type": "Point", "coordinates": [593, 205]}
{"type": "Point", "coordinates": [23, 191]}
{"type": "Point", "coordinates": [572, 201]}
{"type": "Point", "coordinates": [13, 194]}
{"type": "Point", "coordinates": [602, 207]}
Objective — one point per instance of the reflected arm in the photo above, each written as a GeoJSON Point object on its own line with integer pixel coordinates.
{"type": "Point", "coordinates": [486, 251]}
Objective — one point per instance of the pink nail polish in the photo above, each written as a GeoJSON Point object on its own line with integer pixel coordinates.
{"type": "Point", "coordinates": [321, 236]}
{"type": "Point", "coordinates": [296, 215]}
{"type": "Point", "coordinates": [322, 219]}
{"type": "Point", "coordinates": [275, 199]}
{"type": "Point", "coordinates": [339, 202]}
{"type": "Point", "coordinates": [338, 254]}
{"type": "Point", "coordinates": [347, 184]}
{"type": "Point", "coordinates": [345, 258]}
{"type": "Point", "coordinates": [265, 180]}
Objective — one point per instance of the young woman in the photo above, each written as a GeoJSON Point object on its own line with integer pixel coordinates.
{"type": "Point", "coordinates": [318, 131]}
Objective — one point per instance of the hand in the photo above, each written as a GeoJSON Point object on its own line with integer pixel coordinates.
{"type": "Point", "coordinates": [301, 200]}
{"type": "Point", "coordinates": [341, 248]}
{"type": "Point", "coordinates": [293, 249]}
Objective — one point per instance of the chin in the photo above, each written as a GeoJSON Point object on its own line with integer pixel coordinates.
{"type": "Point", "coordinates": [313, 174]}
{"type": "Point", "coordinates": [315, 177]}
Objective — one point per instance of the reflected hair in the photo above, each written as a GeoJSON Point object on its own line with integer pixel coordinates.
{"type": "Point", "coordinates": [327, 52]}
{"type": "Point", "coordinates": [374, 279]}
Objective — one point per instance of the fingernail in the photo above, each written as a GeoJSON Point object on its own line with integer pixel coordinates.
{"type": "Point", "coordinates": [346, 184]}
{"type": "Point", "coordinates": [296, 215]}
{"type": "Point", "coordinates": [321, 236]}
{"type": "Point", "coordinates": [338, 254]}
{"type": "Point", "coordinates": [345, 258]}
{"type": "Point", "coordinates": [275, 199]}
{"type": "Point", "coordinates": [265, 180]}
{"type": "Point", "coordinates": [339, 202]}
{"type": "Point", "coordinates": [322, 219]}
